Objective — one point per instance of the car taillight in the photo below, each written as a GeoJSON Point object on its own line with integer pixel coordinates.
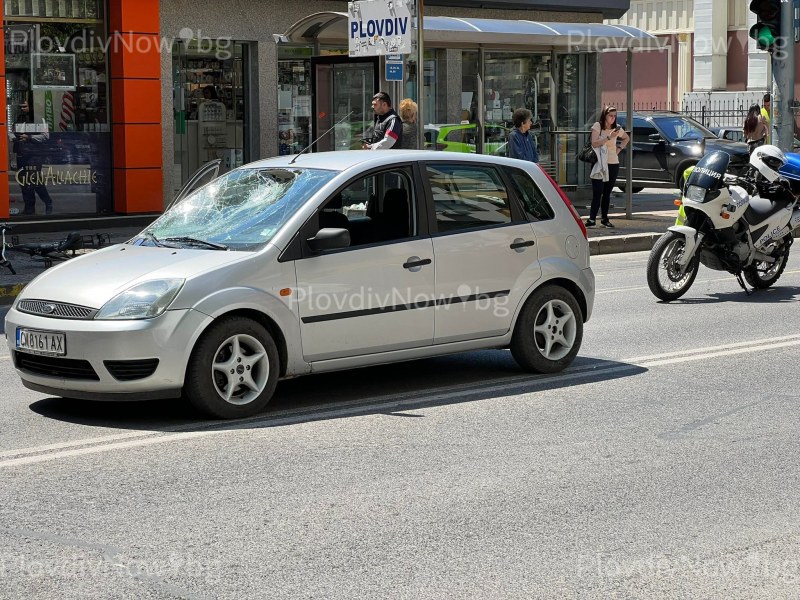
{"type": "Point", "coordinates": [571, 208]}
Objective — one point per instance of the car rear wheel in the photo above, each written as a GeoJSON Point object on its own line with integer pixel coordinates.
{"type": "Point", "coordinates": [233, 370]}
{"type": "Point", "coordinates": [549, 331]}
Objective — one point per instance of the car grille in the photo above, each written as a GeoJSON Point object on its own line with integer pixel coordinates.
{"type": "Point", "coordinates": [54, 366]}
{"type": "Point", "coordinates": [56, 310]}
{"type": "Point", "coordinates": [130, 370]}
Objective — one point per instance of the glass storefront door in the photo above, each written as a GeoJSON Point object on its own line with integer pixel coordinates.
{"type": "Point", "coordinates": [342, 99]}
{"type": "Point", "coordinates": [210, 105]}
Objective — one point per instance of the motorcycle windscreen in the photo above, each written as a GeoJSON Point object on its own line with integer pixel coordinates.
{"type": "Point", "coordinates": [708, 173]}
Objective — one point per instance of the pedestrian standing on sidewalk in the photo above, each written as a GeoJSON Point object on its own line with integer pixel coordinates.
{"type": "Point", "coordinates": [755, 128]}
{"type": "Point", "coordinates": [521, 144]}
{"type": "Point", "coordinates": [766, 110]}
{"type": "Point", "coordinates": [388, 130]}
{"type": "Point", "coordinates": [408, 113]}
{"type": "Point", "coordinates": [605, 134]}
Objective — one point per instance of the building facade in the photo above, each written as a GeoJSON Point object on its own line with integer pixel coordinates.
{"type": "Point", "coordinates": [708, 52]}
{"type": "Point", "coordinates": [112, 104]}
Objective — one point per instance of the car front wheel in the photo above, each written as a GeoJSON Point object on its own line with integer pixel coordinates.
{"type": "Point", "coordinates": [233, 370]}
{"type": "Point", "coordinates": [549, 331]}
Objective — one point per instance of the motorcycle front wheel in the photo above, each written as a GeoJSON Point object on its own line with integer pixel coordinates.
{"type": "Point", "coordinates": [761, 275]}
{"type": "Point", "coordinates": [664, 276]}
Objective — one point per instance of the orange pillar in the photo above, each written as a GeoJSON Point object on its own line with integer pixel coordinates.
{"type": "Point", "coordinates": [4, 181]}
{"type": "Point", "coordinates": [134, 27]}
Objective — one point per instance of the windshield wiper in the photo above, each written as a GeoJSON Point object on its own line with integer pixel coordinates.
{"type": "Point", "coordinates": [196, 242]}
{"type": "Point", "coordinates": [147, 234]}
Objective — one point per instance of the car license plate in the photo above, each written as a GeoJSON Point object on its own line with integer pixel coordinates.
{"type": "Point", "coordinates": [52, 343]}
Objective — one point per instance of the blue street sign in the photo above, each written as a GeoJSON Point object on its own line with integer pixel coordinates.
{"type": "Point", "coordinates": [394, 71]}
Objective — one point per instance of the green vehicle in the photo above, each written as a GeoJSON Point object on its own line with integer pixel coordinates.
{"type": "Point", "coordinates": [462, 138]}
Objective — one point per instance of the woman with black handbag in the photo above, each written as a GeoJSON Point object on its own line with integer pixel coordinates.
{"type": "Point", "coordinates": [605, 132]}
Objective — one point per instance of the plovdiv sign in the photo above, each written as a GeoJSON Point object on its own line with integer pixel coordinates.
{"type": "Point", "coordinates": [378, 27]}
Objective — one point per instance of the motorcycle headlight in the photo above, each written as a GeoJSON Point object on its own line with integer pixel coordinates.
{"type": "Point", "coordinates": [695, 193]}
{"type": "Point", "coordinates": [143, 301]}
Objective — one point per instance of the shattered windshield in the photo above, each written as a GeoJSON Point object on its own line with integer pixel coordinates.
{"type": "Point", "coordinates": [241, 210]}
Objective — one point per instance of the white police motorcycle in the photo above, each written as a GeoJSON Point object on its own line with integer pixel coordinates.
{"type": "Point", "coordinates": [740, 224]}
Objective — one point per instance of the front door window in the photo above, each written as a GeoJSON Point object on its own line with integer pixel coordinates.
{"type": "Point", "coordinates": [378, 294]}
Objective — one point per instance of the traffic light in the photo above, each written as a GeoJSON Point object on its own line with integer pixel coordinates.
{"type": "Point", "coordinates": [768, 23]}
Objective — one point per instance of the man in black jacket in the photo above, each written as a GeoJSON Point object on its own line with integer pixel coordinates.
{"type": "Point", "coordinates": [388, 130]}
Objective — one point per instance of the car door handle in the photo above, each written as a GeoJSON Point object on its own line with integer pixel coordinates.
{"type": "Point", "coordinates": [415, 261]}
{"type": "Point", "coordinates": [520, 243]}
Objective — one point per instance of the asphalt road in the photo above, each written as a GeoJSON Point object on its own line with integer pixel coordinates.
{"type": "Point", "coordinates": [663, 464]}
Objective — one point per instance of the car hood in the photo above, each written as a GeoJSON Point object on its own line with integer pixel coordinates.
{"type": "Point", "coordinates": [735, 149]}
{"type": "Point", "coordinates": [93, 279]}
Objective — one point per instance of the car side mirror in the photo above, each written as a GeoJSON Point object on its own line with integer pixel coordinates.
{"type": "Point", "coordinates": [655, 138]}
{"type": "Point", "coordinates": [329, 238]}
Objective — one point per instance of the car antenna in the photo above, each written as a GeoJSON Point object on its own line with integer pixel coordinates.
{"type": "Point", "coordinates": [291, 162]}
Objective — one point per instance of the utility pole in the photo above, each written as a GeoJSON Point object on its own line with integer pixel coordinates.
{"type": "Point", "coordinates": [783, 72]}
{"type": "Point", "coordinates": [420, 77]}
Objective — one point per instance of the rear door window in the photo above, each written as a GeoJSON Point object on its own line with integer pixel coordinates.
{"type": "Point", "coordinates": [467, 196]}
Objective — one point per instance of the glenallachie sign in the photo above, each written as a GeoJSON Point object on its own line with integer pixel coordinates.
{"type": "Point", "coordinates": [378, 27]}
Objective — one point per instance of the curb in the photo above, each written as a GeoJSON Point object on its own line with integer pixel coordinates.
{"type": "Point", "coordinates": [616, 244]}
{"type": "Point", "coordinates": [10, 291]}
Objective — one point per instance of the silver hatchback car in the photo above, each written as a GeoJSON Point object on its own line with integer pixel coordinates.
{"type": "Point", "coordinates": [313, 263]}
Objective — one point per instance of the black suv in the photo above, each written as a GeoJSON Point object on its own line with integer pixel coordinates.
{"type": "Point", "coordinates": [665, 144]}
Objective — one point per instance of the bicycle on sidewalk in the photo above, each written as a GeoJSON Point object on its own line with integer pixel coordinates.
{"type": "Point", "coordinates": [47, 252]}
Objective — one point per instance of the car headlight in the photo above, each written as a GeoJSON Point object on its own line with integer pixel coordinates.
{"type": "Point", "coordinates": [143, 301]}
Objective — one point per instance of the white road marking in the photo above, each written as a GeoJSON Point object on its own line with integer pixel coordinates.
{"type": "Point", "coordinates": [389, 403]}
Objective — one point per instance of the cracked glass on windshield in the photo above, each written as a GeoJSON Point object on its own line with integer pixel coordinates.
{"type": "Point", "coordinates": [240, 210]}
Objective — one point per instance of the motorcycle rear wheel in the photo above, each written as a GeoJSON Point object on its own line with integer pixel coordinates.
{"type": "Point", "coordinates": [663, 275]}
{"type": "Point", "coordinates": [761, 275]}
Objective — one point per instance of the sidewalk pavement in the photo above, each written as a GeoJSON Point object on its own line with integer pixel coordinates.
{"type": "Point", "coordinates": [651, 218]}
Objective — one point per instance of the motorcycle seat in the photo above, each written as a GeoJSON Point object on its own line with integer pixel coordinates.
{"type": "Point", "coordinates": [761, 209]}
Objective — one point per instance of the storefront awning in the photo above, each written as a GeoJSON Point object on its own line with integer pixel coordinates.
{"type": "Point", "coordinates": [331, 28]}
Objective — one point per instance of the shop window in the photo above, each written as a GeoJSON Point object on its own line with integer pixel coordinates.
{"type": "Point", "coordinates": [210, 105]}
{"type": "Point", "coordinates": [57, 103]}
{"type": "Point", "coordinates": [516, 80]}
{"type": "Point", "coordinates": [294, 99]}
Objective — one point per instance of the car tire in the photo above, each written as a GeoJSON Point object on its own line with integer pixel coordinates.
{"type": "Point", "coordinates": [548, 332]}
{"type": "Point", "coordinates": [233, 370]}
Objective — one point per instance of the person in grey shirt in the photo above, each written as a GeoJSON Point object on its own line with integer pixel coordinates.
{"type": "Point", "coordinates": [408, 113]}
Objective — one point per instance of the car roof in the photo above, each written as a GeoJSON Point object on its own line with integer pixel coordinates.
{"type": "Point", "coordinates": [655, 113]}
{"type": "Point", "coordinates": [342, 160]}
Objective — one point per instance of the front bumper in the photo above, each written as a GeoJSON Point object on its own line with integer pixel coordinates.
{"type": "Point", "coordinates": [99, 347]}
